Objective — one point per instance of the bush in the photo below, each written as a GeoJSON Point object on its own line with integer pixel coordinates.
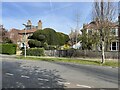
{"type": "Point", "coordinates": [51, 47]}
{"type": "Point", "coordinates": [34, 43]}
{"type": "Point", "coordinates": [8, 49]}
{"type": "Point", "coordinates": [34, 52]}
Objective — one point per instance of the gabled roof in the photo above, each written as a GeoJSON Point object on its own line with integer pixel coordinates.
{"type": "Point", "coordinates": [13, 29]}
{"type": "Point", "coordinates": [22, 31]}
{"type": "Point", "coordinates": [27, 31]}
{"type": "Point", "coordinates": [93, 25]}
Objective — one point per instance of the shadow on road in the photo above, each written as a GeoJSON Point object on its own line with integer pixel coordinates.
{"type": "Point", "coordinates": [17, 76]}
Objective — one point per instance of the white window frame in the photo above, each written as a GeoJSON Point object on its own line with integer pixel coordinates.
{"type": "Point", "coordinates": [116, 31]}
{"type": "Point", "coordinates": [117, 46]}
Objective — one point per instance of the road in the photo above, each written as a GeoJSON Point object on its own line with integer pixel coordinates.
{"type": "Point", "coordinates": [43, 74]}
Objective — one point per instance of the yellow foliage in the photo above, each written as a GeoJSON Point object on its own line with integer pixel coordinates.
{"type": "Point", "coordinates": [66, 46]}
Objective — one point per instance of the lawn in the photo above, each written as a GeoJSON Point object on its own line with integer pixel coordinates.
{"type": "Point", "coordinates": [72, 60]}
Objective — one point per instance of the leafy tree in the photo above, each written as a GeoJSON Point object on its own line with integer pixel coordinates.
{"type": "Point", "coordinates": [50, 36]}
{"type": "Point", "coordinates": [62, 38]}
{"type": "Point", "coordinates": [89, 41]}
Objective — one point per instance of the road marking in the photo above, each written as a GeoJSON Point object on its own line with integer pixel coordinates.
{"type": "Point", "coordinates": [40, 79]}
{"type": "Point", "coordinates": [60, 82]}
{"type": "Point", "coordinates": [63, 82]}
{"type": "Point", "coordinates": [66, 83]}
{"type": "Point", "coordinates": [25, 76]}
{"type": "Point", "coordinates": [43, 79]}
{"type": "Point", "coordinates": [83, 86]}
{"type": "Point", "coordinates": [9, 74]}
{"type": "Point", "coordinates": [46, 80]}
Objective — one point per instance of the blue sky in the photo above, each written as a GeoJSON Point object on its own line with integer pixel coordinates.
{"type": "Point", "coordinates": [57, 15]}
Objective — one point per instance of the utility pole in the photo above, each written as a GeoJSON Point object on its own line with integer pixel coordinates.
{"type": "Point", "coordinates": [25, 40]}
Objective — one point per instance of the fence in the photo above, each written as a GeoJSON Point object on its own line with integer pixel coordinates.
{"type": "Point", "coordinates": [81, 53]}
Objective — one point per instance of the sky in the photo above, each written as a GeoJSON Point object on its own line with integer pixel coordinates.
{"type": "Point", "coordinates": [60, 16]}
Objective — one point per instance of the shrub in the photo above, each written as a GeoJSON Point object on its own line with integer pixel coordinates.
{"type": "Point", "coordinates": [51, 47]}
{"type": "Point", "coordinates": [34, 52]}
{"type": "Point", "coordinates": [8, 49]}
{"type": "Point", "coordinates": [34, 43]}
{"type": "Point", "coordinates": [45, 45]}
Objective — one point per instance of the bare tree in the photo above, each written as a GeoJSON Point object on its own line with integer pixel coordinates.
{"type": "Point", "coordinates": [75, 31]}
{"type": "Point", "coordinates": [103, 14]}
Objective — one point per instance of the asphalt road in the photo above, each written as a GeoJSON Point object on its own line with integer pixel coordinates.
{"type": "Point", "coordinates": [42, 74]}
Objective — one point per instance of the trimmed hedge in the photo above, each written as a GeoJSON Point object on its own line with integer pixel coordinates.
{"type": "Point", "coordinates": [34, 52]}
{"type": "Point", "coordinates": [8, 49]}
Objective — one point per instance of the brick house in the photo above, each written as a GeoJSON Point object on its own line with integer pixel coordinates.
{"type": "Point", "coordinates": [18, 36]}
{"type": "Point", "coordinates": [3, 35]}
{"type": "Point", "coordinates": [91, 28]}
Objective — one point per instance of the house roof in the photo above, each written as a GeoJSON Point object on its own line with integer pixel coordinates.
{"type": "Point", "coordinates": [93, 25]}
{"type": "Point", "coordinates": [22, 31]}
{"type": "Point", "coordinates": [27, 31]}
{"type": "Point", "coordinates": [13, 29]}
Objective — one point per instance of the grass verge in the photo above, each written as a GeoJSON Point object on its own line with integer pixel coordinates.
{"type": "Point", "coordinates": [71, 60]}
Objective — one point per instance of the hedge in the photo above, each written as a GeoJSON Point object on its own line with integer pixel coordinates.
{"type": "Point", "coordinates": [34, 52]}
{"type": "Point", "coordinates": [8, 49]}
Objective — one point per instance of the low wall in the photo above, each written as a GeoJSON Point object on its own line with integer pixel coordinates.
{"type": "Point", "coordinates": [81, 53]}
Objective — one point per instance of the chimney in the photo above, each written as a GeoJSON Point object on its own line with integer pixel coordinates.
{"type": "Point", "coordinates": [39, 24]}
{"type": "Point", "coordinates": [29, 23]}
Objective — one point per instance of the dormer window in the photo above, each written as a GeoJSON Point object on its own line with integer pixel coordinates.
{"type": "Point", "coordinates": [89, 32]}
{"type": "Point", "coordinates": [114, 31]}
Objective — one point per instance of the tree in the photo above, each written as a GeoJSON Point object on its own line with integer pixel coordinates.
{"type": "Point", "coordinates": [74, 35]}
{"type": "Point", "coordinates": [47, 37]}
{"type": "Point", "coordinates": [88, 41]}
{"type": "Point", "coordinates": [3, 35]}
{"type": "Point", "coordinates": [103, 14]}
{"type": "Point", "coordinates": [51, 36]}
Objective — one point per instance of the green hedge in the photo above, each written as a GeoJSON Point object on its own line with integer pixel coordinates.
{"type": "Point", "coordinates": [34, 52]}
{"type": "Point", "coordinates": [8, 49]}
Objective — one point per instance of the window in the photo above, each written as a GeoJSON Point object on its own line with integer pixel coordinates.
{"type": "Point", "coordinates": [89, 32]}
{"type": "Point", "coordinates": [114, 46]}
{"type": "Point", "coordinates": [113, 31]}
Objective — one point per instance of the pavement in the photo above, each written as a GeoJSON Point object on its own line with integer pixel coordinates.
{"type": "Point", "coordinates": [18, 73]}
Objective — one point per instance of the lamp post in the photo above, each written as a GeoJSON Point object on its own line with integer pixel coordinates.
{"type": "Point", "coordinates": [25, 40]}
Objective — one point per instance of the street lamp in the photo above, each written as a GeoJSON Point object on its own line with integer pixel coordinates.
{"type": "Point", "coordinates": [25, 40]}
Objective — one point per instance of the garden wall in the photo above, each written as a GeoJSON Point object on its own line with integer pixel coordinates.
{"type": "Point", "coordinates": [81, 53]}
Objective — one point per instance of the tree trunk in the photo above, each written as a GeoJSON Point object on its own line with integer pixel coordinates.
{"type": "Point", "coordinates": [103, 52]}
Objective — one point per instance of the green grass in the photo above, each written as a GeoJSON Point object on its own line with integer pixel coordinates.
{"type": "Point", "coordinates": [71, 60]}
